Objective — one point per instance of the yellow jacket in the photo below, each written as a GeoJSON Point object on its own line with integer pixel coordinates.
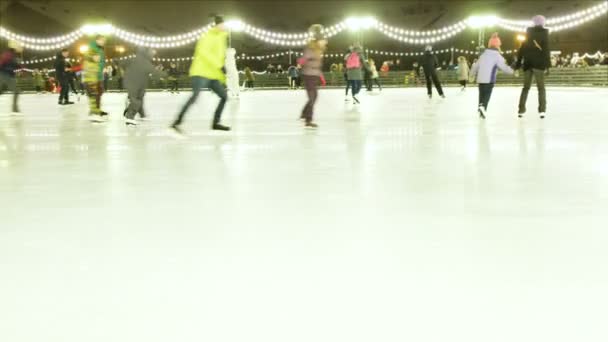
{"type": "Point", "coordinates": [210, 55]}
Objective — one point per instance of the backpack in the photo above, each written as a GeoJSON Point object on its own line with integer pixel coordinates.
{"type": "Point", "coordinates": [353, 61]}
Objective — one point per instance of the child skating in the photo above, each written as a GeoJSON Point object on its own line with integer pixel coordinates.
{"type": "Point", "coordinates": [485, 72]}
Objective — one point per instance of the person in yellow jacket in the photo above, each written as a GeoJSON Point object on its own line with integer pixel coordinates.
{"type": "Point", "coordinates": [207, 71]}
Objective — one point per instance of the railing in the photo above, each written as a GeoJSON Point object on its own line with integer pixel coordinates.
{"type": "Point", "coordinates": [596, 76]}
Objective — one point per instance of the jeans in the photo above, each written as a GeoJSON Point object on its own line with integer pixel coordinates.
{"type": "Point", "coordinates": [310, 83]}
{"type": "Point", "coordinates": [431, 77]}
{"type": "Point", "coordinates": [199, 83]}
{"type": "Point", "coordinates": [539, 76]}
{"type": "Point", "coordinates": [136, 103]}
{"type": "Point", "coordinates": [355, 85]}
{"type": "Point", "coordinates": [485, 92]}
{"type": "Point", "coordinates": [11, 84]}
{"type": "Point", "coordinates": [64, 95]}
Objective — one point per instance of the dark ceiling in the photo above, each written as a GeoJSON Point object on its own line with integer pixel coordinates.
{"type": "Point", "coordinates": [49, 17]}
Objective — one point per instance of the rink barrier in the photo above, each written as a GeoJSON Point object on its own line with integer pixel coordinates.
{"type": "Point", "coordinates": [596, 76]}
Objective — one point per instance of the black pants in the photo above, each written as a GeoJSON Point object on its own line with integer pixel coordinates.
{"type": "Point", "coordinates": [174, 85]}
{"type": "Point", "coordinates": [431, 78]}
{"type": "Point", "coordinates": [64, 83]}
{"type": "Point", "coordinates": [293, 81]}
{"type": "Point", "coordinates": [310, 83]}
{"type": "Point", "coordinates": [539, 76]}
{"type": "Point", "coordinates": [249, 84]}
{"type": "Point", "coordinates": [136, 103]}
{"type": "Point", "coordinates": [198, 83]}
{"type": "Point", "coordinates": [463, 83]}
{"type": "Point", "coordinates": [485, 92]}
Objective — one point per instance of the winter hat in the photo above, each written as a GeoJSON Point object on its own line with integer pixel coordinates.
{"type": "Point", "coordinates": [538, 20]}
{"type": "Point", "coordinates": [428, 48]}
{"type": "Point", "coordinates": [494, 41]}
{"type": "Point", "coordinates": [218, 19]}
{"type": "Point", "coordinates": [316, 31]}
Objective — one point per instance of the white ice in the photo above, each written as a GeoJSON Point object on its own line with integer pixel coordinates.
{"type": "Point", "coordinates": [402, 219]}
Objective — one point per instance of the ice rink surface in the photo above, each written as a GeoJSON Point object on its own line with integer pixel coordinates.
{"type": "Point", "coordinates": [402, 219]}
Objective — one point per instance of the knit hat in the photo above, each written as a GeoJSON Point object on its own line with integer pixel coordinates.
{"type": "Point", "coordinates": [218, 19]}
{"type": "Point", "coordinates": [428, 48]}
{"type": "Point", "coordinates": [316, 32]}
{"type": "Point", "coordinates": [538, 20]}
{"type": "Point", "coordinates": [494, 42]}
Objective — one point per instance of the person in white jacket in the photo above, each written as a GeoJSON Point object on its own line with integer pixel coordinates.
{"type": "Point", "coordinates": [485, 72]}
{"type": "Point", "coordinates": [232, 73]}
{"type": "Point", "coordinates": [463, 72]}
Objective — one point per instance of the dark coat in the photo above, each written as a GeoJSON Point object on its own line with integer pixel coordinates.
{"type": "Point", "coordinates": [534, 52]}
{"type": "Point", "coordinates": [60, 65]}
{"type": "Point", "coordinates": [139, 70]}
{"type": "Point", "coordinates": [429, 62]}
{"type": "Point", "coordinates": [9, 62]}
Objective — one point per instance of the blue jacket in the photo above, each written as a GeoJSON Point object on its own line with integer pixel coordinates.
{"type": "Point", "coordinates": [488, 64]}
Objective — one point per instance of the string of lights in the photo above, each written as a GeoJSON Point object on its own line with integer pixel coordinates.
{"type": "Point", "coordinates": [283, 54]}
{"type": "Point", "coordinates": [413, 37]}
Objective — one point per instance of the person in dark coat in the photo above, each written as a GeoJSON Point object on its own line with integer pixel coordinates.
{"type": "Point", "coordinates": [535, 57]}
{"type": "Point", "coordinates": [9, 63]}
{"type": "Point", "coordinates": [136, 80]}
{"type": "Point", "coordinates": [173, 78]}
{"type": "Point", "coordinates": [430, 65]}
{"type": "Point", "coordinates": [62, 75]}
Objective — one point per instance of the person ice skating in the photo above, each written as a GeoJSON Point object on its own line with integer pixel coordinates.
{"type": "Point", "coordinates": [9, 63]}
{"type": "Point", "coordinates": [463, 72]}
{"type": "Point", "coordinates": [38, 81]}
{"type": "Point", "coordinates": [93, 71]}
{"type": "Point", "coordinates": [536, 58]}
{"type": "Point", "coordinates": [232, 73]}
{"type": "Point", "coordinates": [172, 77]}
{"type": "Point", "coordinates": [249, 78]}
{"type": "Point", "coordinates": [312, 64]}
{"type": "Point", "coordinates": [354, 71]}
{"type": "Point", "coordinates": [208, 71]}
{"type": "Point", "coordinates": [375, 78]}
{"type": "Point", "coordinates": [63, 77]}
{"type": "Point", "coordinates": [430, 65]}
{"type": "Point", "coordinates": [292, 72]}
{"type": "Point", "coordinates": [485, 72]}
{"type": "Point", "coordinates": [136, 80]}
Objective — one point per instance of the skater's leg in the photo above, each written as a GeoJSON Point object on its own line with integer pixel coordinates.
{"type": "Point", "coordinates": [539, 75]}
{"type": "Point", "coordinates": [523, 98]}
{"type": "Point", "coordinates": [219, 90]}
{"type": "Point", "coordinates": [92, 92]}
{"type": "Point", "coordinates": [197, 85]}
{"type": "Point", "coordinates": [134, 103]}
{"type": "Point", "coordinates": [11, 82]}
{"type": "Point", "coordinates": [485, 92]}
{"type": "Point", "coordinates": [310, 83]}
{"type": "Point", "coordinates": [437, 82]}
{"type": "Point", "coordinates": [429, 83]}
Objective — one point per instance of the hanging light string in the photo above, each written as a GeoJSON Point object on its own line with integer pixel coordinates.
{"type": "Point", "coordinates": [244, 56]}
{"type": "Point", "coordinates": [414, 37]}
{"type": "Point", "coordinates": [558, 23]}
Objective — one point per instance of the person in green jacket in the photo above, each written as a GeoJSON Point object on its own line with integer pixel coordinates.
{"type": "Point", "coordinates": [207, 71]}
{"type": "Point", "coordinates": [94, 63]}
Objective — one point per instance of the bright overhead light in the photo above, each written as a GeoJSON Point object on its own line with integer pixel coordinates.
{"type": "Point", "coordinates": [482, 21]}
{"type": "Point", "coordinates": [97, 29]}
{"type": "Point", "coordinates": [521, 37]}
{"type": "Point", "coordinates": [235, 25]}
